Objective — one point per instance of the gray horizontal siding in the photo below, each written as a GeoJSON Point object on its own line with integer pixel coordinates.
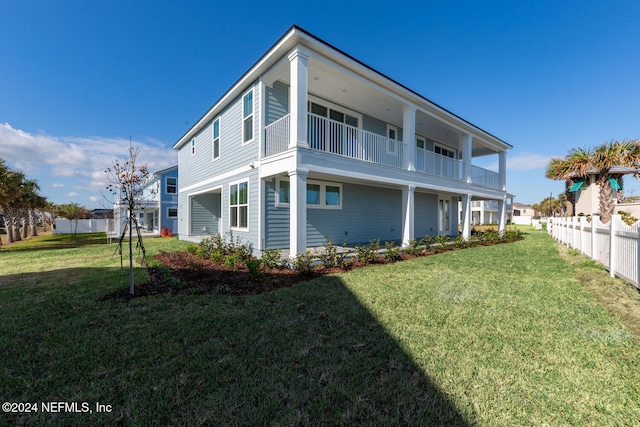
{"type": "Point", "coordinates": [426, 215]}
{"type": "Point", "coordinates": [205, 214]}
{"type": "Point", "coordinates": [276, 228]}
{"type": "Point", "coordinates": [276, 102]}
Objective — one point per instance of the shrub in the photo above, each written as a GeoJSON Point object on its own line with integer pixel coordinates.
{"type": "Point", "coordinates": [392, 252]}
{"type": "Point", "coordinates": [192, 249]}
{"type": "Point", "coordinates": [331, 256]}
{"type": "Point", "coordinates": [368, 253]}
{"type": "Point", "coordinates": [231, 261]}
{"type": "Point", "coordinates": [428, 242]}
{"type": "Point", "coordinates": [254, 267]}
{"type": "Point", "coordinates": [271, 258]}
{"type": "Point", "coordinates": [442, 241]}
{"type": "Point", "coordinates": [460, 242]}
{"type": "Point", "coordinates": [414, 248]}
{"type": "Point", "coordinates": [303, 263]}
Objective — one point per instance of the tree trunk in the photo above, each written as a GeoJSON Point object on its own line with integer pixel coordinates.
{"type": "Point", "coordinates": [607, 204]}
{"type": "Point", "coordinates": [15, 226]}
{"type": "Point", "coordinates": [33, 223]}
{"type": "Point", "coordinates": [25, 224]}
{"type": "Point", "coordinates": [8, 224]}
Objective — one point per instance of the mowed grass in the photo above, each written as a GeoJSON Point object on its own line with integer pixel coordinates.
{"type": "Point", "coordinates": [497, 335]}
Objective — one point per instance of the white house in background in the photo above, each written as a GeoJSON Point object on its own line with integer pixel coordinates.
{"type": "Point", "coordinates": [311, 144]}
{"type": "Point", "coordinates": [487, 211]}
{"type": "Point", "coordinates": [159, 206]}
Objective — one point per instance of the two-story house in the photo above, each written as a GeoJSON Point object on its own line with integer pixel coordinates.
{"type": "Point", "coordinates": [311, 144]}
{"type": "Point", "coordinates": [158, 204]}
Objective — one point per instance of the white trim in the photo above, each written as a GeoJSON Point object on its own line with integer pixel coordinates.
{"type": "Point", "coordinates": [393, 128]}
{"type": "Point", "coordinates": [252, 116]}
{"type": "Point", "coordinates": [220, 177]}
{"type": "Point", "coordinates": [323, 194]}
{"type": "Point", "coordinates": [248, 205]}
{"type": "Point", "coordinates": [213, 139]}
{"type": "Point", "coordinates": [169, 216]}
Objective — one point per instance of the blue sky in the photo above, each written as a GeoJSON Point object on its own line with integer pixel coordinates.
{"type": "Point", "coordinates": [79, 79]}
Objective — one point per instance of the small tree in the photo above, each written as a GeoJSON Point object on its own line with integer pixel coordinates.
{"type": "Point", "coordinates": [126, 185]}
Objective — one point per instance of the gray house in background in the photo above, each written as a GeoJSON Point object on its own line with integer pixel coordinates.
{"type": "Point", "coordinates": [311, 144]}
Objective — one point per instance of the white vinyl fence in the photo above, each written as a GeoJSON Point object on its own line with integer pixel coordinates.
{"type": "Point", "coordinates": [66, 226]}
{"type": "Point", "coordinates": [614, 245]}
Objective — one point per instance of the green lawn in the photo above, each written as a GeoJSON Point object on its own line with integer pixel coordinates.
{"type": "Point", "coordinates": [497, 335]}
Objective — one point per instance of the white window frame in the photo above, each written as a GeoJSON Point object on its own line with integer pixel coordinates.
{"type": "Point", "coordinates": [278, 201]}
{"type": "Point", "coordinates": [392, 147]}
{"type": "Point", "coordinates": [323, 194]}
{"type": "Point", "coordinates": [214, 139]}
{"type": "Point", "coordinates": [246, 117]}
{"type": "Point", "coordinates": [169, 215]}
{"type": "Point", "coordinates": [193, 146]}
{"type": "Point", "coordinates": [166, 185]}
{"type": "Point", "coordinates": [447, 148]}
{"type": "Point", "coordinates": [239, 205]}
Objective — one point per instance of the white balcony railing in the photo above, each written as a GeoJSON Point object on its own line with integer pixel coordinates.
{"type": "Point", "coordinates": [337, 138]}
{"type": "Point", "coordinates": [276, 136]}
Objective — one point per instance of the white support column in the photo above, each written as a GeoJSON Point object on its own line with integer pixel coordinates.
{"type": "Point", "coordinates": [502, 215]}
{"type": "Point", "coordinates": [408, 214]}
{"type": "Point", "coordinates": [502, 170]}
{"type": "Point", "coordinates": [467, 146]}
{"type": "Point", "coordinates": [297, 212]}
{"type": "Point", "coordinates": [298, 67]}
{"type": "Point", "coordinates": [466, 216]}
{"type": "Point", "coordinates": [409, 134]}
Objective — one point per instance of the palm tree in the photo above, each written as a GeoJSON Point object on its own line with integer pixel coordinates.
{"type": "Point", "coordinates": [600, 161]}
{"type": "Point", "coordinates": [74, 212]}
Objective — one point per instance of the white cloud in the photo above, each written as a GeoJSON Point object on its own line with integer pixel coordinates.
{"type": "Point", "coordinates": [72, 195]}
{"type": "Point", "coordinates": [84, 158]}
{"type": "Point", "coordinates": [527, 161]}
{"type": "Point", "coordinates": [57, 185]}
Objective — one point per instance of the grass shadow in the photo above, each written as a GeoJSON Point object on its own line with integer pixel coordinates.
{"type": "Point", "coordinates": [310, 354]}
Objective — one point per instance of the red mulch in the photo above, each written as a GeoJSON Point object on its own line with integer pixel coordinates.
{"type": "Point", "coordinates": [190, 274]}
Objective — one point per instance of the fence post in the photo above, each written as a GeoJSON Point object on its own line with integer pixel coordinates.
{"type": "Point", "coordinates": [613, 248]}
{"type": "Point", "coordinates": [594, 238]}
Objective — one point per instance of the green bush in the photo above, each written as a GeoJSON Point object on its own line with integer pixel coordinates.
{"type": "Point", "coordinates": [303, 263]}
{"type": "Point", "coordinates": [441, 242]}
{"type": "Point", "coordinates": [271, 258]}
{"type": "Point", "coordinates": [392, 252]}
{"type": "Point", "coordinates": [414, 248]}
{"type": "Point", "coordinates": [254, 267]}
{"type": "Point", "coordinates": [330, 256]}
{"type": "Point", "coordinates": [368, 254]}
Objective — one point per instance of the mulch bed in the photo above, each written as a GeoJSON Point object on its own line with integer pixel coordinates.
{"type": "Point", "coordinates": [190, 274]}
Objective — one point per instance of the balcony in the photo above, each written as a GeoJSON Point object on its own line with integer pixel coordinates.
{"type": "Point", "coordinates": [340, 139]}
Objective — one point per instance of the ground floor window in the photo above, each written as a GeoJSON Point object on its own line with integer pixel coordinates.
{"type": "Point", "coordinates": [172, 212]}
{"type": "Point", "coordinates": [239, 205]}
{"type": "Point", "coordinates": [320, 194]}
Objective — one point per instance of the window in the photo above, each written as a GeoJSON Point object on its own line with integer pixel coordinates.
{"type": "Point", "coordinates": [420, 143]}
{"type": "Point", "coordinates": [172, 185]}
{"type": "Point", "coordinates": [313, 194]}
{"type": "Point", "coordinates": [320, 195]}
{"type": "Point", "coordinates": [193, 147]}
{"type": "Point", "coordinates": [444, 215]}
{"type": "Point", "coordinates": [447, 152]}
{"type": "Point", "coordinates": [239, 205]}
{"type": "Point", "coordinates": [283, 193]}
{"type": "Point", "coordinates": [332, 196]}
{"type": "Point", "coordinates": [392, 135]}
{"type": "Point", "coordinates": [215, 149]}
{"type": "Point", "coordinates": [247, 117]}
{"type": "Point", "coordinates": [172, 212]}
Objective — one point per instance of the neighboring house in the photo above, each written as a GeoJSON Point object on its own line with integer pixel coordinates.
{"type": "Point", "coordinates": [311, 144]}
{"type": "Point", "coordinates": [487, 211]}
{"type": "Point", "coordinates": [159, 204]}
{"type": "Point", "coordinates": [522, 214]}
{"type": "Point", "coordinates": [587, 195]}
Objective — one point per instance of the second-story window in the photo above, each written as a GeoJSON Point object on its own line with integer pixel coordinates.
{"type": "Point", "coordinates": [215, 149]}
{"type": "Point", "coordinates": [247, 117]}
{"type": "Point", "coordinates": [172, 185]}
{"type": "Point", "coordinates": [193, 147]}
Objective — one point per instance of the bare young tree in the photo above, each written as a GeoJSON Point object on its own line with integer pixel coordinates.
{"type": "Point", "coordinates": [127, 181]}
